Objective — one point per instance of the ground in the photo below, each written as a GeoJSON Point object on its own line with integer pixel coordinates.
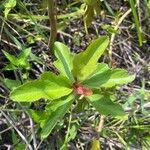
{"type": "Point", "coordinates": [124, 51]}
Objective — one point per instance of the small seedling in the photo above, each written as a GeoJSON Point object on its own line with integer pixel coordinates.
{"type": "Point", "coordinates": [18, 62]}
{"type": "Point", "coordinates": [81, 77]}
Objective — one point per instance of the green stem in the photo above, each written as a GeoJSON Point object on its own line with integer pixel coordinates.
{"type": "Point", "coordinates": [64, 146]}
{"type": "Point", "coordinates": [121, 19]}
{"type": "Point", "coordinates": [137, 22]}
{"type": "Point", "coordinates": [53, 24]}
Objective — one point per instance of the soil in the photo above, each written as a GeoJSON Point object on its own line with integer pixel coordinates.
{"type": "Point", "coordinates": [126, 53]}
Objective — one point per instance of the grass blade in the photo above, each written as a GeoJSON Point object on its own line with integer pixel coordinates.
{"type": "Point", "coordinates": [137, 23]}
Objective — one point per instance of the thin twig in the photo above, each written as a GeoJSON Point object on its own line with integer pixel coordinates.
{"type": "Point", "coordinates": [19, 133]}
{"type": "Point", "coordinates": [38, 146]}
{"type": "Point", "coordinates": [10, 44]}
{"type": "Point", "coordinates": [33, 132]}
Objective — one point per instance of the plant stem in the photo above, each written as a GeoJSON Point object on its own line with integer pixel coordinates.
{"type": "Point", "coordinates": [64, 146]}
{"type": "Point", "coordinates": [81, 97]}
{"type": "Point", "coordinates": [114, 34]}
{"type": "Point", "coordinates": [136, 20]}
{"type": "Point", "coordinates": [53, 24]}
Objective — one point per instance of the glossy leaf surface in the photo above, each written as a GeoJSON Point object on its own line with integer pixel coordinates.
{"type": "Point", "coordinates": [85, 62]}
{"type": "Point", "coordinates": [100, 76]}
{"type": "Point", "coordinates": [22, 58]}
{"type": "Point", "coordinates": [35, 90]}
{"type": "Point", "coordinates": [57, 109]}
{"type": "Point", "coordinates": [118, 77]}
{"type": "Point", "coordinates": [59, 79]}
{"type": "Point", "coordinates": [63, 54]}
{"type": "Point", "coordinates": [11, 58]}
{"type": "Point", "coordinates": [105, 106]}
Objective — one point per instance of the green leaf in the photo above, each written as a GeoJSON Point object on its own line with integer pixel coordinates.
{"type": "Point", "coordinates": [92, 8]}
{"type": "Point", "coordinates": [20, 61]}
{"type": "Point", "coordinates": [57, 110]}
{"type": "Point", "coordinates": [99, 77]}
{"type": "Point", "coordinates": [109, 28]}
{"type": "Point", "coordinates": [15, 139]}
{"type": "Point", "coordinates": [39, 116]}
{"type": "Point", "coordinates": [11, 84]}
{"type": "Point", "coordinates": [90, 2]}
{"type": "Point", "coordinates": [85, 62]}
{"type": "Point", "coordinates": [97, 7]}
{"type": "Point", "coordinates": [109, 8]}
{"type": "Point", "coordinates": [14, 39]}
{"type": "Point", "coordinates": [60, 67]}
{"type": "Point", "coordinates": [63, 54]}
{"type": "Point", "coordinates": [59, 79]}
{"type": "Point", "coordinates": [89, 15]}
{"type": "Point", "coordinates": [148, 4]}
{"type": "Point", "coordinates": [137, 22]}
{"type": "Point", "coordinates": [22, 58]}
{"type": "Point", "coordinates": [31, 40]}
{"type": "Point", "coordinates": [10, 67]}
{"type": "Point", "coordinates": [11, 58]}
{"type": "Point", "coordinates": [105, 106]}
{"type": "Point", "coordinates": [95, 145]}
{"type": "Point", "coordinates": [73, 132]}
{"type": "Point", "coordinates": [37, 89]}
{"type": "Point", "coordinates": [33, 57]}
{"type": "Point", "coordinates": [118, 77]}
{"type": "Point", "coordinates": [10, 4]}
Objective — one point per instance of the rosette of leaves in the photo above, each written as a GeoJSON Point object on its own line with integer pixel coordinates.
{"type": "Point", "coordinates": [81, 76]}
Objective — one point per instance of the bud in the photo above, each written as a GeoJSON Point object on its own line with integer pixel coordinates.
{"type": "Point", "coordinates": [82, 90]}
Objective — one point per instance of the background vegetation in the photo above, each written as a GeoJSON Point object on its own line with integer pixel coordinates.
{"type": "Point", "coordinates": [28, 30]}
